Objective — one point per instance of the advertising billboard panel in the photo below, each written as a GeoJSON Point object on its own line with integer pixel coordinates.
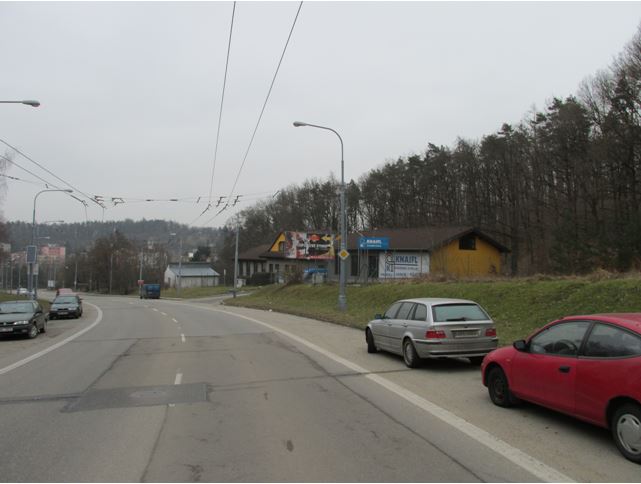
{"type": "Point", "coordinates": [403, 265]}
{"type": "Point", "coordinates": [309, 246]}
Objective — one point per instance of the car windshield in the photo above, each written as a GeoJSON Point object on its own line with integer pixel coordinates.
{"type": "Point", "coordinates": [459, 312]}
{"type": "Point", "coordinates": [16, 307]}
{"type": "Point", "coordinates": [65, 300]}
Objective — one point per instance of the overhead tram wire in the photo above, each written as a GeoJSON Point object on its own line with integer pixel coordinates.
{"type": "Point", "coordinates": [260, 117]}
{"type": "Point", "coordinates": [46, 182]}
{"type": "Point", "coordinates": [220, 116]}
{"type": "Point", "coordinates": [48, 171]}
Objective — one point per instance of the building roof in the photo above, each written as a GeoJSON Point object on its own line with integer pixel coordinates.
{"type": "Point", "coordinates": [423, 238]}
{"type": "Point", "coordinates": [255, 253]}
{"type": "Point", "coordinates": [193, 269]}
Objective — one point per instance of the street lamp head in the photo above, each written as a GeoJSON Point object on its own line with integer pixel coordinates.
{"type": "Point", "coordinates": [31, 102]}
{"type": "Point", "coordinates": [298, 124]}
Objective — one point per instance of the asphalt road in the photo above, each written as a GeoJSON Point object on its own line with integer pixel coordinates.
{"type": "Point", "coordinates": [185, 392]}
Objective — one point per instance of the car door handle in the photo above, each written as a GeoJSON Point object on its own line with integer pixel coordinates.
{"type": "Point", "coordinates": [564, 369]}
{"type": "Point", "coordinates": [405, 324]}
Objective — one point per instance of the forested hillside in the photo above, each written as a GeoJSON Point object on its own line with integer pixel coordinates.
{"type": "Point", "coordinates": [83, 235]}
{"type": "Point", "coordinates": [561, 188]}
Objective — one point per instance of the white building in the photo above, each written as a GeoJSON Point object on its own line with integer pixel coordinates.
{"type": "Point", "coordinates": [193, 274]}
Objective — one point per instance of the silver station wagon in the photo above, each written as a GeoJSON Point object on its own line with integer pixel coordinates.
{"type": "Point", "coordinates": [433, 328]}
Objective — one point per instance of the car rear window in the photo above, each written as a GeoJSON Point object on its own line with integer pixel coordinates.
{"type": "Point", "coordinates": [458, 312]}
{"type": "Point", "coordinates": [65, 299]}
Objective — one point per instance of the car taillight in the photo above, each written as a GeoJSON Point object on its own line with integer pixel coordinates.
{"type": "Point", "coordinates": [490, 332]}
{"type": "Point", "coordinates": [432, 334]}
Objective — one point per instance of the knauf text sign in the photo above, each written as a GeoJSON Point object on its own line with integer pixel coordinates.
{"type": "Point", "coordinates": [381, 243]}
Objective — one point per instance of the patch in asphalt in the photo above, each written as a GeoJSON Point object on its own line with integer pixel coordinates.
{"type": "Point", "coordinates": [139, 397]}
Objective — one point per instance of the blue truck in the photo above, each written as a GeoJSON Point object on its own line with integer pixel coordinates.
{"type": "Point", "coordinates": [150, 291]}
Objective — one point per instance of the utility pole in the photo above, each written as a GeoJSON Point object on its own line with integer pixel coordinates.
{"type": "Point", "coordinates": [111, 268]}
{"type": "Point", "coordinates": [180, 268]}
{"type": "Point", "coordinates": [140, 274]}
{"type": "Point", "coordinates": [236, 260]}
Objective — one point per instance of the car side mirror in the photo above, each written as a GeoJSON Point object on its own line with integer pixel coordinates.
{"type": "Point", "coordinates": [520, 345]}
{"type": "Point", "coordinates": [378, 316]}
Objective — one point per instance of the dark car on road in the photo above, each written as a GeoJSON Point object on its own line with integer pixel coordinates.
{"type": "Point", "coordinates": [22, 318]}
{"type": "Point", "coordinates": [588, 367]}
{"type": "Point", "coordinates": [67, 306]}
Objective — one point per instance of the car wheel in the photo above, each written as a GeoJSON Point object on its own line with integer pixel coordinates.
{"type": "Point", "coordinates": [476, 360]}
{"type": "Point", "coordinates": [369, 337]}
{"type": "Point", "coordinates": [33, 331]}
{"type": "Point", "coordinates": [44, 327]}
{"type": "Point", "coordinates": [499, 388]}
{"type": "Point", "coordinates": [410, 356]}
{"type": "Point", "coordinates": [626, 430]}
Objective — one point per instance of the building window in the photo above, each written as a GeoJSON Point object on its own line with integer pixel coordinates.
{"type": "Point", "coordinates": [277, 267]}
{"type": "Point", "coordinates": [281, 246]}
{"type": "Point", "coordinates": [271, 268]}
{"type": "Point", "coordinates": [467, 243]}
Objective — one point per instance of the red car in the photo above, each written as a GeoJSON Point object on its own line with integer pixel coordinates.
{"type": "Point", "coordinates": [588, 367]}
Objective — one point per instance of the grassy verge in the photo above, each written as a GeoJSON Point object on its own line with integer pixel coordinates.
{"type": "Point", "coordinates": [196, 292]}
{"type": "Point", "coordinates": [518, 306]}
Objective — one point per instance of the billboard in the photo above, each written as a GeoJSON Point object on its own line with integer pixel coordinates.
{"type": "Point", "coordinates": [309, 246]}
{"type": "Point", "coordinates": [402, 265]}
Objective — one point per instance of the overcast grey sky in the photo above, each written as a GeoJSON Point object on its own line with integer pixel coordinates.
{"type": "Point", "coordinates": [130, 92]}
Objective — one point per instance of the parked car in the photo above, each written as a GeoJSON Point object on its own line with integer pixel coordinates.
{"type": "Point", "coordinates": [66, 306]}
{"type": "Point", "coordinates": [150, 291]}
{"type": "Point", "coordinates": [23, 291]}
{"type": "Point", "coordinates": [63, 290]}
{"type": "Point", "coordinates": [22, 317]}
{"type": "Point", "coordinates": [588, 367]}
{"type": "Point", "coordinates": [433, 328]}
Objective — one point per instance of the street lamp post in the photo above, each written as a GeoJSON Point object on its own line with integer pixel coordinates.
{"type": "Point", "coordinates": [342, 294]}
{"type": "Point", "coordinates": [180, 265]}
{"type": "Point", "coordinates": [29, 102]}
{"type": "Point", "coordinates": [33, 289]}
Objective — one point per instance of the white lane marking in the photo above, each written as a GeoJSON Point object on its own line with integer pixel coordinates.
{"type": "Point", "coordinates": [514, 455]}
{"type": "Point", "coordinates": [182, 337]}
{"type": "Point", "coordinates": [155, 309]}
{"type": "Point", "coordinates": [26, 360]}
{"type": "Point", "coordinates": [164, 314]}
{"type": "Point", "coordinates": [174, 320]}
{"type": "Point", "coordinates": [179, 378]}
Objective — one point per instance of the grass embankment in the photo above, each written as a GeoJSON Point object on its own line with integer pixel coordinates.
{"type": "Point", "coordinates": [196, 292]}
{"type": "Point", "coordinates": [518, 306]}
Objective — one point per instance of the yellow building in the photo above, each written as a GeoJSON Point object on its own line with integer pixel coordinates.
{"type": "Point", "coordinates": [403, 253]}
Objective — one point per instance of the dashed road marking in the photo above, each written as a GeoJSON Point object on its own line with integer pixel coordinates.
{"type": "Point", "coordinates": [164, 314]}
{"type": "Point", "coordinates": [174, 320]}
{"type": "Point", "coordinates": [155, 309]}
{"type": "Point", "coordinates": [179, 378]}
{"type": "Point", "coordinates": [182, 337]}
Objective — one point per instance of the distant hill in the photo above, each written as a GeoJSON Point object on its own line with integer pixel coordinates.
{"type": "Point", "coordinates": [80, 236]}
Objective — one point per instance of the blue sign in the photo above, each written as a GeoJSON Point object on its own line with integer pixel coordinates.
{"type": "Point", "coordinates": [377, 243]}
